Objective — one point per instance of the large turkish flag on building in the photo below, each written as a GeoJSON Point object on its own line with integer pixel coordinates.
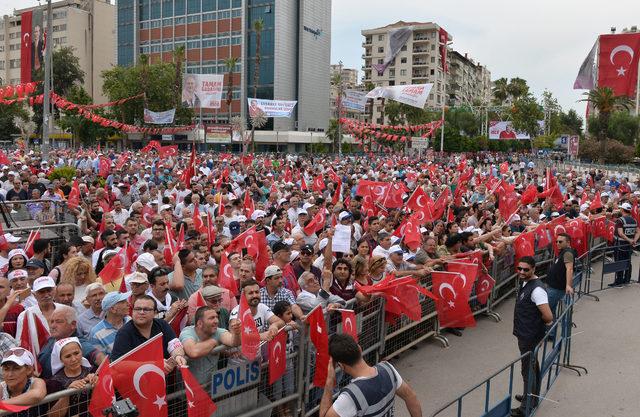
{"type": "Point", "coordinates": [618, 62]}
{"type": "Point", "coordinates": [25, 47]}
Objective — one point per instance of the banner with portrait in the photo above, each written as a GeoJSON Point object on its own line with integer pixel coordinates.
{"type": "Point", "coordinates": [160, 117]}
{"type": "Point", "coordinates": [503, 130]}
{"type": "Point", "coordinates": [202, 91]}
{"type": "Point", "coordinates": [32, 45]}
{"type": "Point", "coordinates": [270, 108]}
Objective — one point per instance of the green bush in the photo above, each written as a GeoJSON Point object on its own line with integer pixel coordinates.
{"type": "Point", "coordinates": [65, 171]}
{"type": "Point", "coordinates": [617, 152]}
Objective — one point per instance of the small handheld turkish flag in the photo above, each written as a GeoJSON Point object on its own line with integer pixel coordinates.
{"type": "Point", "coordinates": [453, 302]}
{"type": "Point", "coordinates": [28, 247]}
{"type": "Point", "coordinates": [199, 403]}
{"type": "Point", "coordinates": [484, 285]}
{"type": "Point", "coordinates": [249, 336]}
{"type": "Point", "coordinates": [102, 396]}
{"type": "Point", "coordinates": [320, 339]}
{"type": "Point", "coordinates": [349, 323]}
{"type": "Point", "coordinates": [523, 245]}
{"type": "Point", "coordinates": [225, 276]}
{"type": "Point", "coordinates": [74, 195]}
{"type": "Point", "coordinates": [277, 356]}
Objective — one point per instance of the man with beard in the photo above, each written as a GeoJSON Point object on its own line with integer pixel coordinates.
{"type": "Point", "coordinates": [110, 242]}
{"type": "Point", "coordinates": [168, 305]}
{"type": "Point", "coordinates": [267, 323]}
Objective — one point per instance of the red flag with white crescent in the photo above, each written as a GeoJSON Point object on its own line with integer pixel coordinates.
{"type": "Point", "coordinates": [452, 305]}
{"type": "Point", "coordinates": [320, 339]}
{"type": "Point", "coordinates": [225, 275]}
{"type": "Point", "coordinates": [484, 285]}
{"type": "Point", "coordinates": [249, 336]}
{"type": "Point", "coordinates": [277, 356]}
{"type": "Point", "coordinates": [349, 323]}
{"type": "Point", "coordinates": [103, 395]}
{"type": "Point", "coordinates": [199, 403]}
{"type": "Point", "coordinates": [618, 63]}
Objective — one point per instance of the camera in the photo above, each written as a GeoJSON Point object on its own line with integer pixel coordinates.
{"type": "Point", "coordinates": [122, 408]}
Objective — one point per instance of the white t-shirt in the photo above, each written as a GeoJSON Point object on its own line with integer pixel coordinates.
{"type": "Point", "coordinates": [538, 296]}
{"type": "Point", "coordinates": [344, 405]}
{"type": "Point", "coordinates": [380, 251]}
{"type": "Point", "coordinates": [262, 316]}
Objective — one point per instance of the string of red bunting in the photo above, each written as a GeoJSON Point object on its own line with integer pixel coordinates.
{"type": "Point", "coordinates": [400, 130]}
{"type": "Point", "coordinates": [19, 90]}
{"type": "Point", "coordinates": [98, 106]}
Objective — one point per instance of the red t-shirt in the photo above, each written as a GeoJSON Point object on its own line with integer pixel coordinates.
{"type": "Point", "coordinates": [10, 324]}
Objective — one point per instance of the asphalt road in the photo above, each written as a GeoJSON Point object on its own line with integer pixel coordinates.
{"type": "Point", "coordinates": [606, 342]}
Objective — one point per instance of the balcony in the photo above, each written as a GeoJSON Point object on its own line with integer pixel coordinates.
{"type": "Point", "coordinates": [421, 51]}
{"type": "Point", "coordinates": [419, 75]}
{"type": "Point", "coordinates": [422, 37]}
{"type": "Point", "coordinates": [420, 63]}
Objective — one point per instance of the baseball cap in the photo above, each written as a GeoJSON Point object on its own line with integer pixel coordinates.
{"type": "Point", "coordinates": [136, 277]}
{"type": "Point", "coordinates": [234, 228]}
{"type": "Point", "coordinates": [272, 270]}
{"type": "Point", "coordinates": [147, 261]}
{"type": "Point", "coordinates": [344, 215]}
{"type": "Point", "coordinates": [278, 246]}
{"type": "Point", "coordinates": [165, 207]}
{"type": "Point", "coordinates": [112, 298]}
{"type": "Point", "coordinates": [18, 355]}
{"type": "Point", "coordinates": [17, 273]}
{"type": "Point", "coordinates": [626, 206]}
{"type": "Point", "coordinates": [424, 230]}
{"type": "Point", "coordinates": [306, 248]}
{"type": "Point", "coordinates": [241, 219]}
{"type": "Point", "coordinates": [11, 238]}
{"type": "Point", "coordinates": [88, 239]}
{"type": "Point", "coordinates": [211, 291]}
{"type": "Point", "coordinates": [257, 214]}
{"type": "Point", "coordinates": [396, 249]}
{"type": "Point", "coordinates": [323, 243]}
{"type": "Point", "coordinates": [306, 206]}
{"type": "Point", "coordinates": [42, 283]}
{"type": "Point", "coordinates": [35, 263]}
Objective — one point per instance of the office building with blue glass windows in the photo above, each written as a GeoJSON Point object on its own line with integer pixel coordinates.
{"type": "Point", "coordinates": [295, 49]}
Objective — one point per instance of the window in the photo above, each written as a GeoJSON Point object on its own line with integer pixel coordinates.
{"type": "Point", "coordinates": [1, 48]}
{"type": "Point", "coordinates": [14, 47]}
{"type": "Point", "coordinates": [404, 48]}
{"type": "Point", "coordinates": [59, 28]}
{"type": "Point", "coordinates": [167, 22]}
{"type": "Point", "coordinates": [206, 17]}
{"type": "Point", "coordinates": [59, 41]}
{"type": "Point", "coordinates": [225, 14]}
{"type": "Point", "coordinates": [403, 60]}
{"type": "Point", "coordinates": [392, 73]}
{"type": "Point", "coordinates": [193, 18]}
{"type": "Point", "coordinates": [193, 6]}
{"type": "Point", "coordinates": [403, 72]}
{"type": "Point", "coordinates": [1, 65]}
{"type": "Point", "coordinates": [432, 72]}
{"type": "Point", "coordinates": [433, 47]}
{"type": "Point", "coordinates": [391, 82]}
{"type": "Point", "coordinates": [403, 83]}
{"type": "Point", "coordinates": [14, 63]}
{"type": "Point", "coordinates": [60, 15]}
{"type": "Point", "coordinates": [155, 24]}
{"type": "Point", "coordinates": [433, 59]}
{"type": "Point", "coordinates": [236, 13]}
{"type": "Point", "coordinates": [1, 37]}
{"type": "Point", "coordinates": [380, 49]}
{"type": "Point", "coordinates": [381, 61]}
{"type": "Point", "coordinates": [193, 45]}
{"type": "Point", "coordinates": [208, 43]}
{"type": "Point", "coordinates": [14, 35]}
{"type": "Point", "coordinates": [380, 37]}
{"type": "Point", "coordinates": [179, 20]}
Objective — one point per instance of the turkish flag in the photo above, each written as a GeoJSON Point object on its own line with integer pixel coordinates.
{"type": "Point", "coordinates": [211, 231]}
{"type": "Point", "coordinates": [366, 187]}
{"type": "Point", "coordinates": [509, 204]}
{"type": "Point", "coordinates": [13, 408]}
{"type": "Point", "coordinates": [529, 195]}
{"type": "Point", "coordinates": [599, 227]}
{"type": "Point", "coordinates": [468, 270]}
{"type": "Point", "coordinates": [393, 197]}
{"type": "Point", "coordinates": [409, 301]}
{"type": "Point", "coordinates": [114, 269]}
{"type": "Point", "coordinates": [575, 229]}
{"type": "Point", "coordinates": [611, 231]}
{"type": "Point", "coordinates": [618, 62]}
{"type": "Point", "coordinates": [504, 167]}
{"type": "Point", "coordinates": [337, 193]}
{"type": "Point", "coordinates": [198, 224]}
{"type": "Point", "coordinates": [263, 259]}
{"type": "Point", "coordinates": [4, 159]}
{"type": "Point", "coordinates": [104, 166]}
{"type": "Point", "coordinates": [484, 285]}
{"type": "Point", "coordinates": [167, 151]}
{"type": "Point", "coordinates": [349, 323]}
{"type": "Point", "coordinates": [249, 206]}
{"type": "Point", "coordinates": [103, 395]}
{"type": "Point", "coordinates": [542, 236]}
{"type": "Point", "coordinates": [288, 175]}
{"type": "Point", "coordinates": [248, 240]}
{"type": "Point", "coordinates": [555, 229]}
{"type": "Point", "coordinates": [26, 46]}
{"type": "Point", "coordinates": [452, 305]}
{"type": "Point", "coordinates": [320, 339]}
{"type": "Point", "coordinates": [596, 203]}
{"type": "Point", "coordinates": [33, 335]}
{"type": "Point", "coordinates": [317, 223]}
{"type": "Point", "coordinates": [461, 189]}
{"type": "Point", "coordinates": [199, 403]}
{"type": "Point", "coordinates": [249, 336]}
{"type": "Point", "coordinates": [180, 320]}
{"type": "Point", "coordinates": [318, 184]}
{"type": "Point", "coordinates": [635, 211]}
{"type": "Point", "coordinates": [379, 192]}
{"type": "Point", "coordinates": [524, 245]}
{"type": "Point", "coordinates": [419, 200]}
{"type": "Point", "coordinates": [441, 204]}
{"type": "Point", "coordinates": [277, 356]}
{"type": "Point", "coordinates": [247, 160]}
{"type": "Point", "coordinates": [139, 376]}
{"type": "Point", "coordinates": [180, 240]}
{"type": "Point", "coordinates": [28, 246]}
{"type": "Point", "coordinates": [412, 236]}
{"type": "Point", "coordinates": [74, 196]}
{"type": "Point", "coordinates": [225, 275]}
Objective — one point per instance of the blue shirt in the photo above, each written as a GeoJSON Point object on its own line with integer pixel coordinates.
{"type": "Point", "coordinates": [129, 337]}
{"type": "Point", "coordinates": [103, 335]}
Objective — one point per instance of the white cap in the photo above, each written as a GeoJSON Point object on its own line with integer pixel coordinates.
{"type": "Point", "coordinates": [344, 215]}
{"type": "Point", "coordinates": [303, 211]}
{"type": "Point", "coordinates": [282, 200]}
{"type": "Point", "coordinates": [257, 214]}
{"type": "Point", "coordinates": [165, 207]}
{"type": "Point", "coordinates": [306, 206]}
{"type": "Point", "coordinates": [555, 214]}
{"type": "Point", "coordinates": [514, 218]}
{"type": "Point", "coordinates": [19, 356]}
{"type": "Point", "coordinates": [626, 206]}
{"type": "Point", "coordinates": [241, 219]}
{"type": "Point", "coordinates": [137, 277]}
{"type": "Point", "coordinates": [147, 261]}
{"type": "Point", "coordinates": [15, 252]}
{"type": "Point", "coordinates": [43, 282]}
{"type": "Point", "coordinates": [394, 239]}
{"type": "Point", "coordinates": [323, 243]}
{"type": "Point", "coordinates": [543, 216]}
{"type": "Point", "coordinates": [584, 206]}
{"type": "Point", "coordinates": [11, 238]}
{"type": "Point", "coordinates": [604, 194]}
{"type": "Point", "coordinates": [423, 229]}
{"type": "Point", "coordinates": [17, 273]}
{"type": "Point", "coordinates": [272, 270]}
{"type": "Point", "coordinates": [395, 249]}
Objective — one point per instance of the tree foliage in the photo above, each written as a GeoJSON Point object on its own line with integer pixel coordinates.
{"type": "Point", "coordinates": [617, 152]}
{"type": "Point", "coordinates": [525, 115]}
{"type": "Point", "coordinates": [623, 127]}
{"type": "Point", "coordinates": [83, 130]}
{"type": "Point", "coordinates": [8, 112]}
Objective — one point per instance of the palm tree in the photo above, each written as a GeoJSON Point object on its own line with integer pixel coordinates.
{"type": "Point", "coordinates": [333, 132]}
{"type": "Point", "coordinates": [604, 101]}
{"type": "Point", "coordinates": [230, 63]}
{"type": "Point", "coordinates": [500, 90]}
{"type": "Point", "coordinates": [517, 88]}
{"type": "Point", "coordinates": [258, 27]}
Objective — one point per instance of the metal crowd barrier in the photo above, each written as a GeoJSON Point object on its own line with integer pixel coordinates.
{"type": "Point", "coordinates": [20, 211]}
{"type": "Point", "coordinates": [379, 341]}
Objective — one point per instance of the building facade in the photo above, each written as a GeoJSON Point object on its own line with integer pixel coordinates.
{"type": "Point", "coordinates": [349, 77]}
{"type": "Point", "coordinates": [468, 83]}
{"type": "Point", "coordinates": [295, 57]}
{"type": "Point", "coordinates": [88, 26]}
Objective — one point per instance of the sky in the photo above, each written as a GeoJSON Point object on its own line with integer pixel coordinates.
{"type": "Point", "coordinates": [542, 41]}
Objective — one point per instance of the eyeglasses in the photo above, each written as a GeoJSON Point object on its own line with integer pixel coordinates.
{"type": "Point", "coordinates": [523, 269]}
{"type": "Point", "coordinates": [17, 351]}
{"type": "Point", "coordinates": [216, 300]}
{"type": "Point", "coordinates": [143, 309]}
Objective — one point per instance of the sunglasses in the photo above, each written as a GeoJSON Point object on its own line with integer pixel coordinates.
{"type": "Point", "coordinates": [143, 310]}
{"type": "Point", "coordinates": [523, 269]}
{"type": "Point", "coordinates": [17, 351]}
{"type": "Point", "coordinates": [559, 241]}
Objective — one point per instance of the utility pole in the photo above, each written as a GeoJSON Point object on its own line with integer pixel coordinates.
{"type": "Point", "coordinates": [48, 71]}
{"type": "Point", "coordinates": [339, 108]}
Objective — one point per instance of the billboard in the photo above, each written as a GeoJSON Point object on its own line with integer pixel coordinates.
{"type": "Point", "coordinates": [503, 130]}
{"type": "Point", "coordinates": [574, 145]}
{"type": "Point", "coordinates": [413, 94]}
{"type": "Point", "coordinates": [355, 100]}
{"type": "Point", "coordinates": [159, 118]}
{"type": "Point", "coordinates": [271, 108]}
{"type": "Point", "coordinates": [217, 133]}
{"type": "Point", "coordinates": [202, 91]}
{"type": "Point", "coordinates": [32, 45]}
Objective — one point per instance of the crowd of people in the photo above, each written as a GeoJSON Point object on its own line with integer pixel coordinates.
{"type": "Point", "coordinates": [179, 217]}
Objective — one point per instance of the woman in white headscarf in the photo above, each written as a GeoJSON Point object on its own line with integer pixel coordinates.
{"type": "Point", "coordinates": [70, 371]}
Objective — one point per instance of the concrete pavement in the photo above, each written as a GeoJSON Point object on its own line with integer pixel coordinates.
{"type": "Point", "coordinates": [605, 341]}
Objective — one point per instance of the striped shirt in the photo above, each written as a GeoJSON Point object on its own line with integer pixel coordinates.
{"type": "Point", "coordinates": [103, 335]}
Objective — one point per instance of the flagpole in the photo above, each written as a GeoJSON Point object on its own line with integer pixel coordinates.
{"type": "Point", "coordinates": [47, 84]}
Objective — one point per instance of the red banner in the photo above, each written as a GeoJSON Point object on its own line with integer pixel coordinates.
{"type": "Point", "coordinates": [25, 47]}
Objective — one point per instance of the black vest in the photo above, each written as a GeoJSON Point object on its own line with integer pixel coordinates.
{"type": "Point", "coordinates": [557, 275]}
{"type": "Point", "coordinates": [527, 319]}
{"type": "Point", "coordinates": [629, 227]}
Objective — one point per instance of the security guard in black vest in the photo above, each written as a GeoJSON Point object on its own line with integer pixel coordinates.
{"type": "Point", "coordinates": [531, 316]}
{"type": "Point", "coordinates": [372, 389]}
{"type": "Point", "coordinates": [626, 235]}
